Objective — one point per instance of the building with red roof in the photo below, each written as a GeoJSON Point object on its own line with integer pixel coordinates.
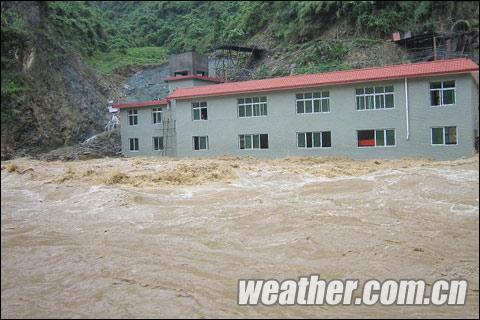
{"type": "Point", "coordinates": [427, 109]}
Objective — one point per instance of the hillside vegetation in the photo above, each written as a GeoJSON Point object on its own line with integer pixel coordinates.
{"type": "Point", "coordinates": [182, 25]}
{"type": "Point", "coordinates": [105, 32]}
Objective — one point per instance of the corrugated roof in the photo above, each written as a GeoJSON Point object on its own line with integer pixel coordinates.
{"type": "Point", "coordinates": [412, 70]}
{"type": "Point", "coordinates": [141, 104]}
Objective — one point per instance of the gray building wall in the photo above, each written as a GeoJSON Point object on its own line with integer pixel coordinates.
{"type": "Point", "coordinates": [281, 124]}
{"type": "Point", "coordinates": [145, 130]}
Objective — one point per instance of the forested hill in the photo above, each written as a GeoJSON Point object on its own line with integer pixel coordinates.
{"type": "Point", "coordinates": [109, 32]}
{"type": "Point", "coordinates": [59, 57]}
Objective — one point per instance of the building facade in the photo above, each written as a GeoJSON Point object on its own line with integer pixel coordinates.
{"type": "Point", "coordinates": [417, 110]}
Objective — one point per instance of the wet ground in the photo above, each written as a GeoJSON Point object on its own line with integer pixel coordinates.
{"type": "Point", "coordinates": [170, 238]}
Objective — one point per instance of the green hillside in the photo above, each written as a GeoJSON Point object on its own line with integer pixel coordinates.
{"type": "Point", "coordinates": [114, 34]}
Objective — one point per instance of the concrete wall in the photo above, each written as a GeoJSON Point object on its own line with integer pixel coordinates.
{"type": "Point", "coordinates": [188, 61]}
{"type": "Point", "coordinates": [223, 126]}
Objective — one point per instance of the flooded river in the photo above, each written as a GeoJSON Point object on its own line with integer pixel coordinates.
{"type": "Point", "coordinates": [170, 238]}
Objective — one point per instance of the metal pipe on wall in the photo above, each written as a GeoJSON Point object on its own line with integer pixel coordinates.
{"type": "Point", "coordinates": [407, 109]}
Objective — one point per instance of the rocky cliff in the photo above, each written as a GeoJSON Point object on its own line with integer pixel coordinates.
{"type": "Point", "coordinates": [50, 98]}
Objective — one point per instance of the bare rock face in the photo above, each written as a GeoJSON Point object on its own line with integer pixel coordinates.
{"type": "Point", "coordinates": [63, 101]}
{"type": "Point", "coordinates": [145, 84]}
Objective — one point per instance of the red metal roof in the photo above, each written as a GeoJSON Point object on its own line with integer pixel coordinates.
{"type": "Point", "coordinates": [193, 76]}
{"type": "Point", "coordinates": [140, 104]}
{"type": "Point", "coordinates": [412, 70]}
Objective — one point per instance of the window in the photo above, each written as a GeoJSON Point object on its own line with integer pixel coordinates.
{"type": "Point", "coordinates": [157, 115]}
{"type": "Point", "coordinates": [180, 73]}
{"type": "Point", "coordinates": [133, 117]}
{"type": "Point", "coordinates": [373, 98]}
{"type": "Point", "coordinates": [376, 138]}
{"type": "Point", "coordinates": [133, 142]}
{"type": "Point", "coordinates": [444, 136]}
{"type": "Point", "coordinates": [314, 139]}
{"type": "Point", "coordinates": [200, 143]}
{"type": "Point", "coordinates": [252, 107]}
{"type": "Point", "coordinates": [253, 141]}
{"type": "Point", "coordinates": [199, 110]}
{"type": "Point", "coordinates": [313, 102]}
{"type": "Point", "coordinates": [442, 93]}
{"type": "Point", "coordinates": [157, 143]}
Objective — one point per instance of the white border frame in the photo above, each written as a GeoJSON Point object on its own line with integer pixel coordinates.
{"type": "Point", "coordinates": [444, 138]}
{"type": "Point", "coordinates": [153, 144]}
{"type": "Point", "coordinates": [207, 143]}
{"type": "Point", "coordinates": [321, 139]}
{"type": "Point", "coordinates": [441, 96]}
{"type": "Point", "coordinates": [200, 108]}
{"type": "Point", "coordinates": [130, 145]}
{"type": "Point", "coordinates": [154, 111]}
{"type": "Point", "coordinates": [375, 138]}
{"type": "Point", "coordinates": [374, 100]}
{"type": "Point", "coordinates": [259, 141]}
{"type": "Point", "coordinates": [252, 104]}
{"type": "Point", "coordinates": [313, 103]}
{"type": "Point", "coordinates": [136, 115]}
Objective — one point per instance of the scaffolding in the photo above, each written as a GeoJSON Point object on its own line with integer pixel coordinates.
{"type": "Point", "coordinates": [457, 42]}
{"type": "Point", "coordinates": [168, 136]}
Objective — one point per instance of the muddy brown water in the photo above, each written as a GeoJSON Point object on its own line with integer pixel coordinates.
{"type": "Point", "coordinates": [76, 242]}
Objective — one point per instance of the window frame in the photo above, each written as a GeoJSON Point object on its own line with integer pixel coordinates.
{"type": "Point", "coordinates": [375, 138]}
{"type": "Point", "coordinates": [251, 135]}
{"type": "Point", "coordinates": [262, 105]}
{"type": "Point", "coordinates": [132, 114]}
{"type": "Point", "coordinates": [442, 90]}
{"type": "Point", "coordinates": [180, 73]}
{"type": "Point", "coordinates": [207, 143]}
{"type": "Point", "coordinates": [312, 100]}
{"type": "Point", "coordinates": [444, 136]}
{"type": "Point", "coordinates": [199, 107]}
{"type": "Point", "coordinates": [313, 143]}
{"type": "Point", "coordinates": [374, 96]}
{"type": "Point", "coordinates": [153, 143]}
{"type": "Point", "coordinates": [155, 112]}
{"type": "Point", "coordinates": [130, 144]}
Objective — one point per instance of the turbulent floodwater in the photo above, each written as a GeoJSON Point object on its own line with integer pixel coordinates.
{"type": "Point", "coordinates": [171, 238]}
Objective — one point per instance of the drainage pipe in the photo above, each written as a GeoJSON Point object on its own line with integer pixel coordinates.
{"type": "Point", "coordinates": [407, 109]}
